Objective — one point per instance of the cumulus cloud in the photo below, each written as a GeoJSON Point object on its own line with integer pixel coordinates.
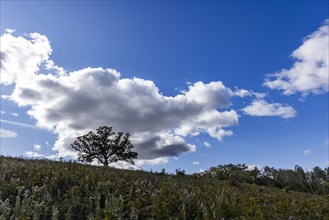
{"type": "Point", "coordinates": [72, 103]}
{"type": "Point", "coordinates": [14, 114]}
{"type": "Point", "coordinates": [309, 74]}
{"type": "Point", "coordinates": [195, 162]}
{"type": "Point", "coordinates": [21, 57]}
{"type": "Point", "coordinates": [208, 122]}
{"type": "Point", "coordinates": [262, 108]}
{"type": "Point", "coordinates": [7, 133]}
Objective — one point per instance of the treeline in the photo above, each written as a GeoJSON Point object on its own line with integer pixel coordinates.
{"type": "Point", "coordinates": [315, 181]}
{"type": "Point", "coordinates": [43, 189]}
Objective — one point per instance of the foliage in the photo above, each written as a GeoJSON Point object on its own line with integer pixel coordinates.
{"type": "Point", "coordinates": [315, 181]}
{"type": "Point", "coordinates": [105, 145]}
{"type": "Point", "coordinates": [43, 189]}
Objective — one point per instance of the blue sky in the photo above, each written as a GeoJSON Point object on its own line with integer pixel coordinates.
{"type": "Point", "coordinates": [183, 69]}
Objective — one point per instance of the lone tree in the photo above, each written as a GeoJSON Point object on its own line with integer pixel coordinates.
{"type": "Point", "coordinates": [105, 145]}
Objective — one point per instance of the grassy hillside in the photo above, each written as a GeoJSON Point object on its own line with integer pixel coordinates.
{"type": "Point", "coordinates": [41, 189]}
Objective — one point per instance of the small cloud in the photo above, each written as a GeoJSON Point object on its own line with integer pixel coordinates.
{"type": "Point", "coordinates": [14, 114]}
{"type": "Point", "coordinates": [195, 162]}
{"type": "Point", "coordinates": [262, 108]}
{"type": "Point", "coordinates": [207, 144]}
{"type": "Point", "coordinates": [7, 133]}
{"type": "Point", "coordinates": [259, 95]}
{"type": "Point", "coordinates": [38, 155]}
{"type": "Point", "coordinates": [252, 166]}
{"type": "Point", "coordinates": [240, 92]}
{"type": "Point", "coordinates": [47, 144]}
{"type": "Point", "coordinates": [2, 112]}
{"type": "Point", "coordinates": [10, 31]}
{"type": "Point", "coordinates": [201, 170]}
{"type": "Point", "coordinates": [307, 152]}
{"type": "Point", "coordinates": [157, 161]}
{"type": "Point", "coordinates": [37, 147]}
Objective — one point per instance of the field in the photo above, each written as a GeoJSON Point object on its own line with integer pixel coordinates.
{"type": "Point", "coordinates": [43, 189]}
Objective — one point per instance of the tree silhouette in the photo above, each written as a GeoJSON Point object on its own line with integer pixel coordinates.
{"type": "Point", "coordinates": [105, 145]}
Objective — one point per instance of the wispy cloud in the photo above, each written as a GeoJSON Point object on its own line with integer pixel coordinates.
{"type": "Point", "coordinates": [22, 125]}
{"type": "Point", "coordinates": [7, 133]}
{"type": "Point", "coordinates": [207, 144]}
{"type": "Point", "coordinates": [307, 152]}
{"type": "Point", "coordinates": [195, 162]}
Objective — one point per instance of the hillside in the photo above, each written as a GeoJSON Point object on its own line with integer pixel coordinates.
{"type": "Point", "coordinates": [42, 189]}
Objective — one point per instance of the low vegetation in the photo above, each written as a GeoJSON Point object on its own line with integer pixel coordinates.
{"type": "Point", "coordinates": [43, 189]}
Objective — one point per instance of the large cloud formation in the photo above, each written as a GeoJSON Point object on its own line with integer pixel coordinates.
{"type": "Point", "coordinates": [309, 74]}
{"type": "Point", "coordinates": [72, 103]}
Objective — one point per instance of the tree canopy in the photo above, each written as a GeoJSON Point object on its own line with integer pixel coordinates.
{"type": "Point", "coordinates": [105, 145]}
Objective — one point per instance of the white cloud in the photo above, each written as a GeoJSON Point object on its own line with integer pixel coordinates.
{"type": "Point", "coordinates": [3, 112]}
{"type": "Point", "coordinates": [309, 74]}
{"type": "Point", "coordinates": [10, 31]}
{"type": "Point", "coordinates": [210, 122]}
{"type": "Point", "coordinates": [245, 93]}
{"type": "Point", "coordinates": [207, 144]}
{"type": "Point", "coordinates": [240, 93]}
{"type": "Point", "coordinates": [21, 58]}
{"type": "Point", "coordinates": [7, 133]}
{"type": "Point", "coordinates": [195, 162]}
{"type": "Point", "coordinates": [263, 108]}
{"type": "Point", "coordinates": [72, 103]}
{"type": "Point", "coordinates": [307, 152]}
{"type": "Point", "coordinates": [160, 160]}
{"type": "Point", "coordinates": [21, 124]}
{"type": "Point", "coordinates": [37, 147]}
{"type": "Point", "coordinates": [14, 114]}
{"type": "Point", "coordinates": [252, 167]}
{"type": "Point", "coordinates": [34, 154]}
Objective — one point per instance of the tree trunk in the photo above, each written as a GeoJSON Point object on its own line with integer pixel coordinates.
{"type": "Point", "coordinates": [106, 163]}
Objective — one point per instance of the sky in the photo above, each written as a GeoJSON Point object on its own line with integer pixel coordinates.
{"type": "Point", "coordinates": [196, 83]}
